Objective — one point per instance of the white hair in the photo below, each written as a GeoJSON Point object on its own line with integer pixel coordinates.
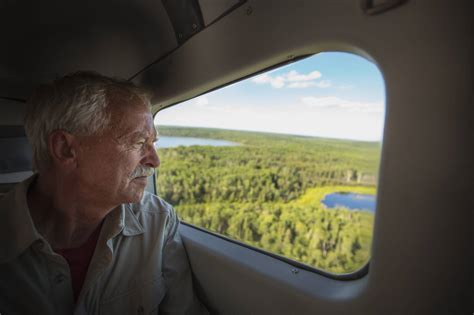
{"type": "Point", "coordinates": [77, 103]}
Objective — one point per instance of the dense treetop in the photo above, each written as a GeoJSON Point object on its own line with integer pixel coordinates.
{"type": "Point", "coordinates": [267, 191]}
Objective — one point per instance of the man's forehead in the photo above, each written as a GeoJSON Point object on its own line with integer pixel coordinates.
{"type": "Point", "coordinates": [132, 120]}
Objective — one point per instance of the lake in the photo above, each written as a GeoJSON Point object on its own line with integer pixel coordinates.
{"type": "Point", "coordinates": [173, 142]}
{"type": "Point", "coordinates": [350, 200]}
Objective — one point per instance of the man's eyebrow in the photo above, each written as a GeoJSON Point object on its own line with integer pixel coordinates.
{"type": "Point", "coordinates": [134, 135]}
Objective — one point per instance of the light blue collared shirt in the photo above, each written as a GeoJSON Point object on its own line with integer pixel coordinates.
{"type": "Point", "coordinates": [139, 265]}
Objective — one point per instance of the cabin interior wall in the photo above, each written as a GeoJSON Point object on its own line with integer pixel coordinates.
{"type": "Point", "coordinates": [422, 250]}
{"type": "Point", "coordinates": [421, 234]}
{"type": "Point", "coordinates": [13, 112]}
{"type": "Point", "coordinates": [48, 39]}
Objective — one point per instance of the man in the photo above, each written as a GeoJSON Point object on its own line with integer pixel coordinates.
{"type": "Point", "coordinates": [81, 235]}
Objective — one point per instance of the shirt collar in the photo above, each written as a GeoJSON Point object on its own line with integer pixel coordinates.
{"type": "Point", "coordinates": [131, 224]}
{"type": "Point", "coordinates": [18, 232]}
{"type": "Point", "coordinates": [122, 220]}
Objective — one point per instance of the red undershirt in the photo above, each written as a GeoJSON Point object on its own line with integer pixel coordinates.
{"type": "Point", "coordinates": [79, 259]}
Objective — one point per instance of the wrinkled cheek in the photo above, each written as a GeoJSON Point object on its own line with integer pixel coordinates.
{"type": "Point", "coordinates": [107, 179]}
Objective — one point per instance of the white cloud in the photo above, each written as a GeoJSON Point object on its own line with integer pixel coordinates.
{"type": "Point", "coordinates": [293, 76]}
{"type": "Point", "coordinates": [304, 84]}
{"type": "Point", "coordinates": [292, 79]}
{"type": "Point", "coordinates": [276, 82]}
{"type": "Point", "coordinates": [337, 104]}
{"type": "Point", "coordinates": [262, 79]}
{"type": "Point", "coordinates": [201, 100]}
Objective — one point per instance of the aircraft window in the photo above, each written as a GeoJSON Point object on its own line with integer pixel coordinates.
{"type": "Point", "coordinates": [15, 157]}
{"type": "Point", "coordinates": [286, 161]}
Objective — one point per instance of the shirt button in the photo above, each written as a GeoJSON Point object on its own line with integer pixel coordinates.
{"type": "Point", "coordinates": [59, 278]}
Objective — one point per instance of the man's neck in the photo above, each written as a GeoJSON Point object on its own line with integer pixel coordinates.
{"type": "Point", "coordinates": [59, 215]}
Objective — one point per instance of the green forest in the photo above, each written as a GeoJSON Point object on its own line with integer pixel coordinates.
{"type": "Point", "coordinates": [266, 191]}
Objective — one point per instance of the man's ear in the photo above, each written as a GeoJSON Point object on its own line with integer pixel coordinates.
{"type": "Point", "coordinates": [61, 149]}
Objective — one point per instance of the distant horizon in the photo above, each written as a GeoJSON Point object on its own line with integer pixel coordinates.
{"type": "Point", "coordinates": [267, 132]}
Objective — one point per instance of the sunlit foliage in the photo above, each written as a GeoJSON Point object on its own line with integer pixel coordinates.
{"type": "Point", "coordinates": [267, 192]}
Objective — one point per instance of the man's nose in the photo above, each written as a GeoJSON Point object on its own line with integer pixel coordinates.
{"type": "Point", "coordinates": [152, 159]}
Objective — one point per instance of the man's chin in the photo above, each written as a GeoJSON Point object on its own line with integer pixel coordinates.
{"type": "Point", "coordinates": [136, 196]}
{"type": "Point", "coordinates": [136, 189]}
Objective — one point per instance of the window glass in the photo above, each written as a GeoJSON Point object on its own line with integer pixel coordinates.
{"type": "Point", "coordinates": [286, 161]}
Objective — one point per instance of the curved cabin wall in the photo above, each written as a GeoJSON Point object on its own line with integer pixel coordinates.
{"type": "Point", "coordinates": [422, 240]}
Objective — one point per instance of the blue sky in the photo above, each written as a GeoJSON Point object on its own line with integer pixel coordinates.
{"type": "Point", "coordinates": [333, 95]}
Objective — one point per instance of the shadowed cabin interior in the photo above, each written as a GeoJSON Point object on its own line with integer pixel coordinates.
{"type": "Point", "coordinates": [421, 256]}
